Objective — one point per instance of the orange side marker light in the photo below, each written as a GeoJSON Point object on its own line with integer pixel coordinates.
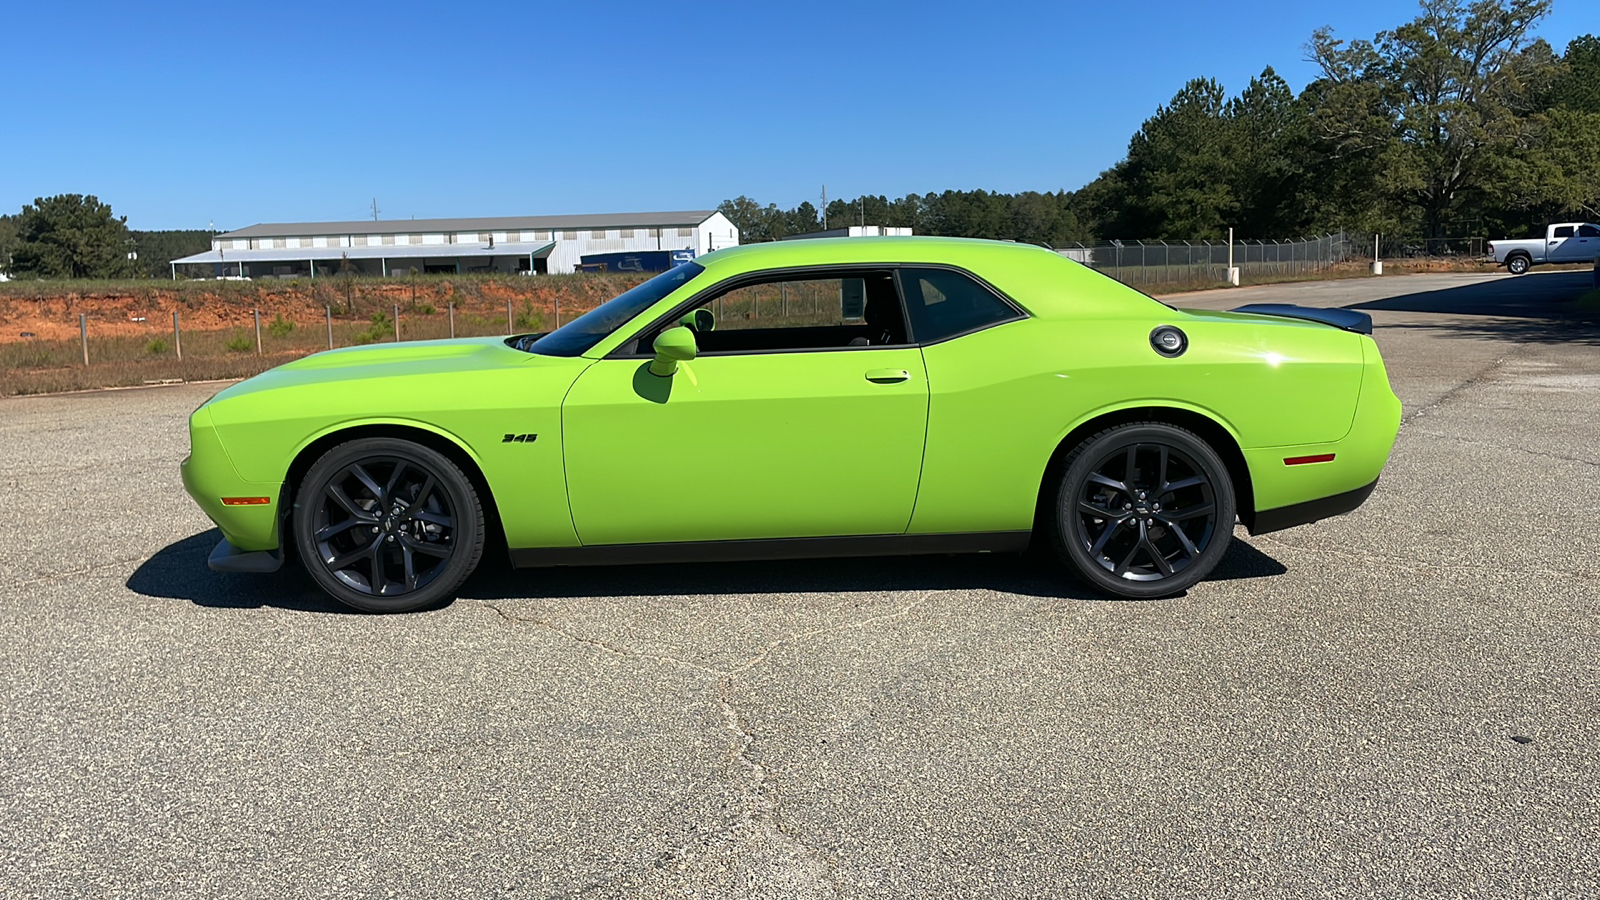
{"type": "Point", "coordinates": [246, 501]}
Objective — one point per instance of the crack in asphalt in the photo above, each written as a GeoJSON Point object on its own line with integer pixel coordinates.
{"type": "Point", "coordinates": [1512, 447]}
{"type": "Point", "coordinates": [88, 570]}
{"type": "Point", "coordinates": [1473, 380]}
{"type": "Point", "coordinates": [764, 811]}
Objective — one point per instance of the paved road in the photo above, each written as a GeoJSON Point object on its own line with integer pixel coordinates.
{"type": "Point", "coordinates": [1400, 702]}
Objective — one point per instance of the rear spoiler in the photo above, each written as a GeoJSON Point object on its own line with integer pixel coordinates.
{"type": "Point", "coordinates": [1346, 319]}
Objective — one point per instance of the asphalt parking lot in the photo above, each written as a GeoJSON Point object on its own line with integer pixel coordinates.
{"type": "Point", "coordinates": [1404, 701]}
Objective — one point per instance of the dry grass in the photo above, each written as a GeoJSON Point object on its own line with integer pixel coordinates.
{"type": "Point", "coordinates": [44, 366]}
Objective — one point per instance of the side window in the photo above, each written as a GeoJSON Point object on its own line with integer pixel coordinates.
{"type": "Point", "coordinates": [836, 312]}
{"type": "Point", "coordinates": [943, 304]}
{"type": "Point", "coordinates": [1564, 231]}
{"type": "Point", "coordinates": [1588, 231]}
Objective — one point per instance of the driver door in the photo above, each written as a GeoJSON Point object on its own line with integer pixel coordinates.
{"type": "Point", "coordinates": [803, 415]}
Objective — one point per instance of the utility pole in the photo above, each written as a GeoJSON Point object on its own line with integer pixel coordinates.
{"type": "Point", "coordinates": [824, 207]}
{"type": "Point", "coordinates": [374, 209]}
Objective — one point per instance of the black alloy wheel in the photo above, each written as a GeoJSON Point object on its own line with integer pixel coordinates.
{"type": "Point", "coordinates": [385, 525]}
{"type": "Point", "coordinates": [1144, 510]}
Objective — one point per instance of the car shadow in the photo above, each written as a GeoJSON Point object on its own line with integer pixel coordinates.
{"type": "Point", "coordinates": [178, 571]}
{"type": "Point", "coordinates": [1536, 308]}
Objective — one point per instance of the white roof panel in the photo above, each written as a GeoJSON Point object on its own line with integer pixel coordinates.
{"type": "Point", "coordinates": [395, 251]}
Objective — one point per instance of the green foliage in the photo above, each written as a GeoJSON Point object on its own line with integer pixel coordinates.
{"type": "Point", "coordinates": [280, 327]}
{"type": "Point", "coordinates": [528, 319]}
{"type": "Point", "coordinates": [381, 327]}
{"type": "Point", "coordinates": [8, 241]}
{"type": "Point", "coordinates": [71, 236]}
{"type": "Point", "coordinates": [1576, 85]}
{"type": "Point", "coordinates": [240, 342]}
{"type": "Point", "coordinates": [157, 347]}
{"type": "Point", "coordinates": [426, 309]}
{"type": "Point", "coordinates": [157, 249]}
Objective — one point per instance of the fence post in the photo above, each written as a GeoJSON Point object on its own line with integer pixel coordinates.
{"type": "Point", "coordinates": [329, 311]}
{"type": "Point", "coordinates": [452, 321]}
{"type": "Point", "coordinates": [397, 323]}
{"type": "Point", "coordinates": [83, 335]}
{"type": "Point", "coordinates": [257, 314]}
{"type": "Point", "coordinates": [558, 310]}
{"type": "Point", "coordinates": [508, 317]}
{"type": "Point", "coordinates": [177, 338]}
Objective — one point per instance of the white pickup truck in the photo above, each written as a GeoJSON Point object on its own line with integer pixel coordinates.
{"type": "Point", "coordinates": [1569, 242]}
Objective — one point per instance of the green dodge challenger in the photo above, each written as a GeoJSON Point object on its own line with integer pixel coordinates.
{"type": "Point", "coordinates": [806, 399]}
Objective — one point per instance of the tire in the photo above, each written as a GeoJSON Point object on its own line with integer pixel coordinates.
{"type": "Point", "coordinates": [357, 518]}
{"type": "Point", "coordinates": [1518, 264]}
{"type": "Point", "coordinates": [1142, 510]}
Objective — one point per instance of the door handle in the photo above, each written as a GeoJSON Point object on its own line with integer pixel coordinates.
{"type": "Point", "coordinates": [888, 376]}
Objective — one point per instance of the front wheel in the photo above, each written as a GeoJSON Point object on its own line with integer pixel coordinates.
{"type": "Point", "coordinates": [1143, 510]}
{"type": "Point", "coordinates": [386, 525]}
{"type": "Point", "coordinates": [1517, 265]}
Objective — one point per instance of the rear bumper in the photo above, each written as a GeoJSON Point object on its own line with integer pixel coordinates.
{"type": "Point", "coordinates": [1311, 511]}
{"type": "Point", "coordinates": [1304, 483]}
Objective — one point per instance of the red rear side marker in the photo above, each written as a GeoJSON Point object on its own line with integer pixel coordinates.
{"type": "Point", "coordinates": [1303, 460]}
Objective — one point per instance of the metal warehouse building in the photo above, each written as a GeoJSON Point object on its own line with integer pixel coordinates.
{"type": "Point", "coordinates": [532, 244]}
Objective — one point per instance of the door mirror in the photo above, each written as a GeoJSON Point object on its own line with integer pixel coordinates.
{"type": "Point", "coordinates": [700, 320]}
{"type": "Point", "coordinates": [673, 346]}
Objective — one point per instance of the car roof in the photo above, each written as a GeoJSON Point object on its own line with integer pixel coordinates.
{"type": "Point", "coordinates": [866, 250]}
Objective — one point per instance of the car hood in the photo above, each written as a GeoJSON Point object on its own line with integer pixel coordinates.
{"type": "Point", "coordinates": [405, 360]}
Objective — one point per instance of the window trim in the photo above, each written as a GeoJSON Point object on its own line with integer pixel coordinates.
{"type": "Point", "coordinates": [628, 348]}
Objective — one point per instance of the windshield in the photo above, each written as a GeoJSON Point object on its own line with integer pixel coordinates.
{"type": "Point", "coordinates": [577, 336]}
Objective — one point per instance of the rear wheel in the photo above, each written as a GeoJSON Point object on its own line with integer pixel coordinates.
{"type": "Point", "coordinates": [1143, 510]}
{"type": "Point", "coordinates": [1518, 264]}
{"type": "Point", "coordinates": [386, 525]}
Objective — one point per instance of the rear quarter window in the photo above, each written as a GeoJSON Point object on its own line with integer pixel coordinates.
{"type": "Point", "coordinates": [943, 303]}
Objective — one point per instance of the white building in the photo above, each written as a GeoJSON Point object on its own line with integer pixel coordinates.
{"type": "Point", "coordinates": [532, 244]}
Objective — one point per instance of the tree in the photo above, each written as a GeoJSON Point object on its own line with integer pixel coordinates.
{"type": "Point", "coordinates": [8, 241]}
{"type": "Point", "coordinates": [158, 248]}
{"type": "Point", "coordinates": [71, 236]}
{"type": "Point", "coordinates": [1177, 181]}
{"type": "Point", "coordinates": [1265, 137]}
{"type": "Point", "coordinates": [745, 214]}
{"type": "Point", "coordinates": [1439, 98]}
{"type": "Point", "coordinates": [1577, 85]}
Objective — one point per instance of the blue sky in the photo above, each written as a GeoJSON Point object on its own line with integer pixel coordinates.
{"type": "Point", "coordinates": [181, 114]}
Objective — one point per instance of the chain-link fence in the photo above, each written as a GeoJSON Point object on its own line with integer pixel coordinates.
{"type": "Point", "coordinates": [1180, 263]}
{"type": "Point", "coordinates": [1426, 248]}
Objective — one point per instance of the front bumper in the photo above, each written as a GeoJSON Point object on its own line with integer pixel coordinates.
{"type": "Point", "coordinates": [228, 558]}
{"type": "Point", "coordinates": [209, 476]}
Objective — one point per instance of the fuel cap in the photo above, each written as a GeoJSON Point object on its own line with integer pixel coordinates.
{"type": "Point", "coordinates": [1169, 341]}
